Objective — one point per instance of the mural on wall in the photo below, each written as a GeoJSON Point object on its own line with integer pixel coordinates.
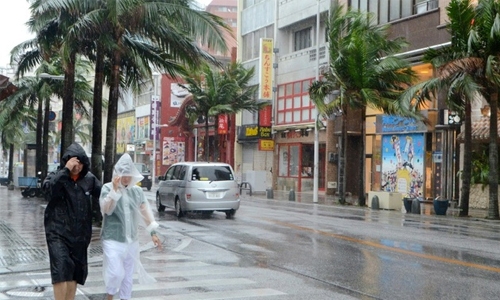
{"type": "Point", "coordinates": [173, 150]}
{"type": "Point", "coordinates": [125, 126]}
{"type": "Point", "coordinates": [403, 163]}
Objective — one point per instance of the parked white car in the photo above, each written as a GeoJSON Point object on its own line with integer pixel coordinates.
{"type": "Point", "coordinates": [199, 187]}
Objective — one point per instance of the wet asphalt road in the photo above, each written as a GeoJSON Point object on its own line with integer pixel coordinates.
{"type": "Point", "coordinates": [276, 249]}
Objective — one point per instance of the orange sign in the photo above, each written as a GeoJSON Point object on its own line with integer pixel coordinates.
{"type": "Point", "coordinates": [266, 69]}
{"type": "Point", "coordinates": [266, 145]}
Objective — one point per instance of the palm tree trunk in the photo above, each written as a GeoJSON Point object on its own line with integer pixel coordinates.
{"type": "Point", "coordinates": [45, 138]}
{"type": "Point", "coordinates": [467, 171]}
{"type": "Point", "coordinates": [96, 159]}
{"type": "Point", "coordinates": [68, 105]}
{"type": "Point", "coordinates": [361, 192]}
{"type": "Point", "coordinates": [11, 165]}
{"type": "Point", "coordinates": [217, 145]}
{"type": "Point", "coordinates": [342, 157]}
{"type": "Point", "coordinates": [110, 148]}
{"type": "Point", "coordinates": [493, 157]}
{"type": "Point", "coordinates": [207, 138]}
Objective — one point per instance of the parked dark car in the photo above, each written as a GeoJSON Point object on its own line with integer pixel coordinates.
{"type": "Point", "coordinates": [146, 181]}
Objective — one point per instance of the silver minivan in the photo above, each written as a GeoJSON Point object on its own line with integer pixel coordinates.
{"type": "Point", "coordinates": [199, 187]}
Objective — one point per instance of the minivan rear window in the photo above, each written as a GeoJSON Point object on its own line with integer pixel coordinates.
{"type": "Point", "coordinates": [212, 173]}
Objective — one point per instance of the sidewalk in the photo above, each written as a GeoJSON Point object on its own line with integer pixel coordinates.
{"type": "Point", "coordinates": [427, 208]}
{"type": "Point", "coordinates": [22, 235]}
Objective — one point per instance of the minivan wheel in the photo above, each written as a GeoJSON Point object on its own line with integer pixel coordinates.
{"type": "Point", "coordinates": [159, 206]}
{"type": "Point", "coordinates": [230, 214]}
{"type": "Point", "coordinates": [178, 210]}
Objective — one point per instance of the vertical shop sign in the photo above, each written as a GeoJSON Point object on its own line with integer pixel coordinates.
{"type": "Point", "coordinates": [222, 124]}
{"type": "Point", "coordinates": [266, 69]}
{"type": "Point", "coordinates": [155, 113]}
{"type": "Point", "coordinates": [265, 116]}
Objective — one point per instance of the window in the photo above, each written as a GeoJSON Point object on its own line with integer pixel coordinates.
{"type": "Point", "coordinates": [391, 10]}
{"type": "Point", "coordinates": [212, 173]}
{"type": "Point", "coordinates": [294, 105]}
{"type": "Point", "coordinates": [289, 161]}
{"type": "Point", "coordinates": [302, 39]}
{"type": "Point", "coordinates": [170, 173]}
{"type": "Point", "coordinates": [251, 41]}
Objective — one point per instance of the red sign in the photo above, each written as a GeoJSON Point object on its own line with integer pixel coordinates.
{"type": "Point", "coordinates": [222, 124]}
{"type": "Point", "coordinates": [265, 115]}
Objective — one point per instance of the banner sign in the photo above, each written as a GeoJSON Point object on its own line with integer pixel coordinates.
{"type": "Point", "coordinates": [155, 116]}
{"type": "Point", "coordinates": [266, 69]}
{"type": "Point", "coordinates": [265, 115]}
{"type": "Point", "coordinates": [222, 124]}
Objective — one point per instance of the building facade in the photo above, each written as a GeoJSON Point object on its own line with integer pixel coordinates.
{"type": "Point", "coordinates": [401, 155]}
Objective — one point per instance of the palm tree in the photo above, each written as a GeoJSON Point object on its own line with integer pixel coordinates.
{"type": "Point", "coordinates": [15, 116]}
{"type": "Point", "coordinates": [137, 34]}
{"type": "Point", "coordinates": [365, 72]}
{"type": "Point", "coordinates": [467, 72]}
{"type": "Point", "coordinates": [161, 32]}
{"type": "Point", "coordinates": [219, 91]}
{"type": "Point", "coordinates": [51, 23]}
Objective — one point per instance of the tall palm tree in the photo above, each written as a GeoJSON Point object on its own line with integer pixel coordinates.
{"type": "Point", "coordinates": [467, 71]}
{"type": "Point", "coordinates": [365, 71]}
{"type": "Point", "coordinates": [219, 91]}
{"type": "Point", "coordinates": [159, 32]}
{"type": "Point", "coordinates": [51, 23]}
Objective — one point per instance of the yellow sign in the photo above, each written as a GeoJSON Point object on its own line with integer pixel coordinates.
{"type": "Point", "coordinates": [266, 69]}
{"type": "Point", "coordinates": [266, 145]}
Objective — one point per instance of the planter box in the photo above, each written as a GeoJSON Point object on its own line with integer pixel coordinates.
{"type": "Point", "coordinates": [386, 200]}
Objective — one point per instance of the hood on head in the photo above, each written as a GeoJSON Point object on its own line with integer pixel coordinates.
{"type": "Point", "coordinates": [75, 150]}
{"type": "Point", "coordinates": [125, 167]}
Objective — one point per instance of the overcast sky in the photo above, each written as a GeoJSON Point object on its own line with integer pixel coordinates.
{"type": "Point", "coordinates": [13, 30]}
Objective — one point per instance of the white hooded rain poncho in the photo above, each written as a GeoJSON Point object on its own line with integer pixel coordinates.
{"type": "Point", "coordinates": [123, 211]}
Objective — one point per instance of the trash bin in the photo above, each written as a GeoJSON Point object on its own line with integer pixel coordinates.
{"type": "Point", "coordinates": [270, 193]}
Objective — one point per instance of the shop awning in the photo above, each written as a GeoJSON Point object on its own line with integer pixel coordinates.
{"type": "Point", "coordinates": [7, 88]}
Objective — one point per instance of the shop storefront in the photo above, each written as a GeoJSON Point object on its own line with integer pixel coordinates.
{"type": "Point", "coordinates": [295, 163]}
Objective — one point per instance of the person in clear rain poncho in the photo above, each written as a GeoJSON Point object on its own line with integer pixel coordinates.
{"type": "Point", "coordinates": [124, 207]}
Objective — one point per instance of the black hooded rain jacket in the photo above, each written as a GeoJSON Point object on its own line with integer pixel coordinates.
{"type": "Point", "coordinates": [68, 218]}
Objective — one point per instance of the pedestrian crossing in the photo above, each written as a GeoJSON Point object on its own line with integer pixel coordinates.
{"type": "Point", "coordinates": [178, 276]}
{"type": "Point", "coordinates": [181, 277]}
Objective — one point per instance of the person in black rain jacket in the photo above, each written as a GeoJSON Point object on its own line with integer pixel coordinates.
{"type": "Point", "coordinates": [68, 220]}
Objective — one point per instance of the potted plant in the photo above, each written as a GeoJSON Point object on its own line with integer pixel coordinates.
{"type": "Point", "coordinates": [440, 205]}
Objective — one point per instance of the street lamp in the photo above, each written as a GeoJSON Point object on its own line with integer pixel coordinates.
{"type": "Point", "coordinates": [316, 131]}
